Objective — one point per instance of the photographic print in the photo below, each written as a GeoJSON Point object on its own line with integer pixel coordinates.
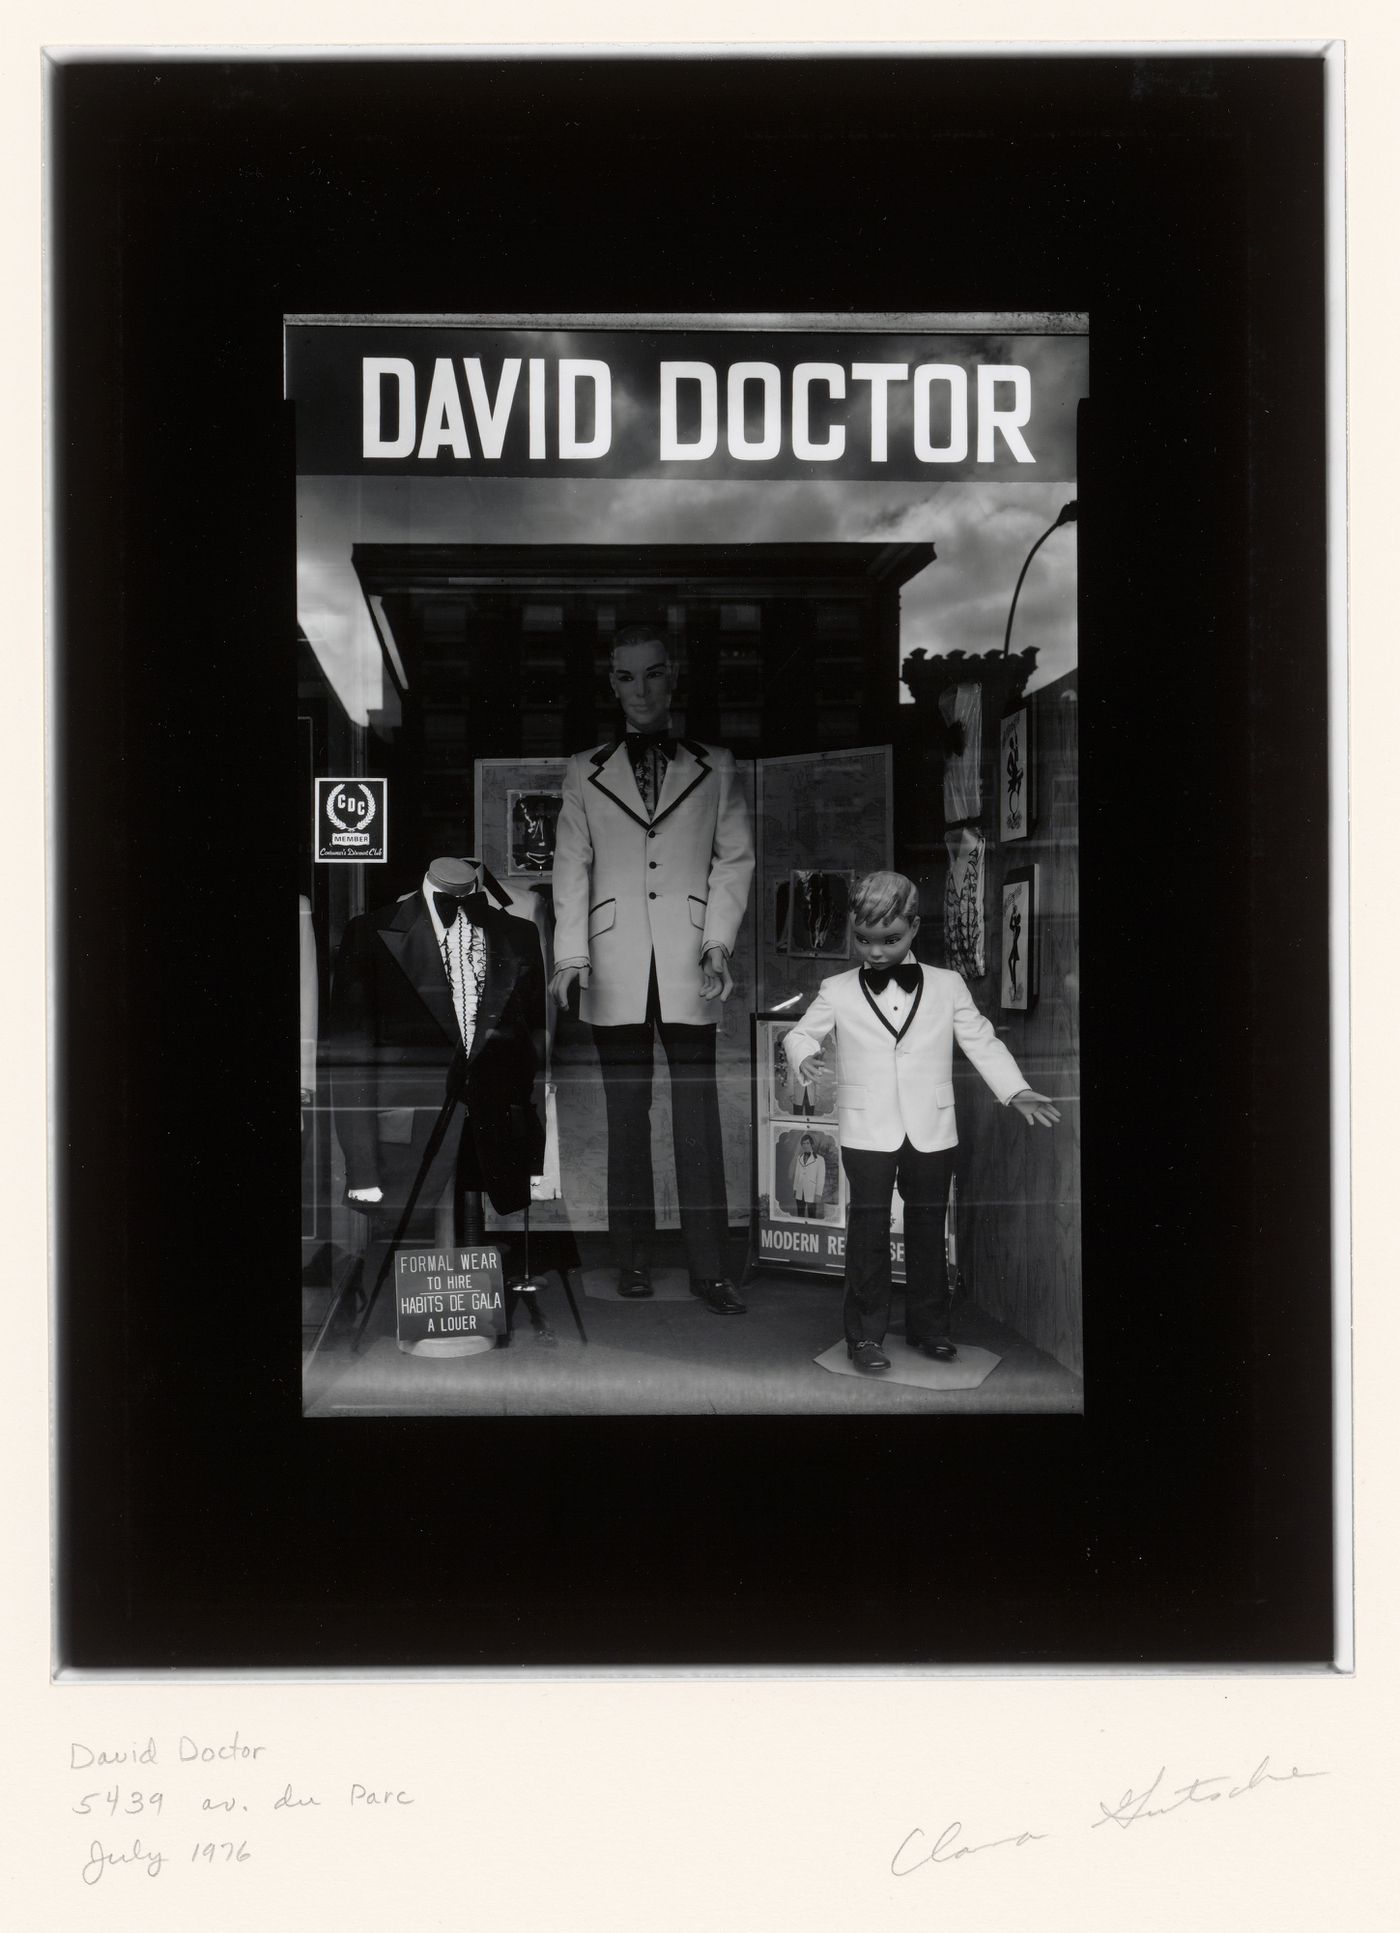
{"type": "Point", "coordinates": [820, 917]}
{"type": "Point", "coordinates": [789, 1092]}
{"type": "Point", "coordinates": [1016, 775]}
{"type": "Point", "coordinates": [782, 913]}
{"type": "Point", "coordinates": [709, 578]}
{"type": "Point", "coordinates": [1018, 939]}
{"type": "Point", "coordinates": [635, 784]}
{"type": "Point", "coordinates": [803, 1174]}
{"type": "Point", "coordinates": [531, 819]}
{"type": "Point", "coordinates": [508, 814]}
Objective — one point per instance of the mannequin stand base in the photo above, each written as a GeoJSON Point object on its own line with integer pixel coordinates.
{"type": "Point", "coordinates": [449, 1346]}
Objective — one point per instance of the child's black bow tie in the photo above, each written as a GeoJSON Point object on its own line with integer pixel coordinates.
{"type": "Point", "coordinates": [905, 975]}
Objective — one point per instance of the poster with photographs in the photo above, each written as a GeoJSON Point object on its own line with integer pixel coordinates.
{"type": "Point", "coordinates": [811, 806]}
{"type": "Point", "coordinates": [1016, 776]}
{"type": "Point", "coordinates": [647, 627]}
{"type": "Point", "coordinates": [799, 1185]}
{"type": "Point", "coordinates": [1018, 939]}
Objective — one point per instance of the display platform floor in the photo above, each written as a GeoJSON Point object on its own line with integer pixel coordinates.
{"type": "Point", "coordinates": [663, 1357]}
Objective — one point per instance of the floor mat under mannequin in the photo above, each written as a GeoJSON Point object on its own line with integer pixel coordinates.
{"type": "Point", "coordinates": [972, 1366]}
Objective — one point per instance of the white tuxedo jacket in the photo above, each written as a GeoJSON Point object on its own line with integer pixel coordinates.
{"type": "Point", "coordinates": [896, 1083]}
{"type": "Point", "coordinates": [627, 887]}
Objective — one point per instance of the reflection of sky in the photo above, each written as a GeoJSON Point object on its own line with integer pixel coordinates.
{"type": "Point", "coordinates": [982, 531]}
{"type": "Point", "coordinates": [1057, 366]}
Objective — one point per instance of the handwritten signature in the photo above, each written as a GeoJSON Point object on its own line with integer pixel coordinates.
{"type": "Point", "coordinates": [915, 1851]}
{"type": "Point", "coordinates": [945, 1848]}
{"type": "Point", "coordinates": [1134, 1806]}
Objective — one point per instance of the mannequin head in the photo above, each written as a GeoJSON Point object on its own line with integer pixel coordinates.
{"type": "Point", "coordinates": [455, 876]}
{"type": "Point", "coordinates": [884, 918]}
{"type": "Point", "coordinates": [642, 676]}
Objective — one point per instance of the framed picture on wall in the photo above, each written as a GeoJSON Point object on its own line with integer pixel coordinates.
{"type": "Point", "coordinates": [803, 1179]}
{"type": "Point", "coordinates": [961, 710]}
{"type": "Point", "coordinates": [1018, 937]}
{"type": "Point", "coordinates": [517, 810]}
{"type": "Point", "coordinates": [788, 1093]}
{"type": "Point", "coordinates": [1015, 776]}
{"type": "Point", "coordinates": [531, 818]}
{"type": "Point", "coordinates": [819, 915]}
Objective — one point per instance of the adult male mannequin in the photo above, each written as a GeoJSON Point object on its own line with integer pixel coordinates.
{"type": "Point", "coordinates": [653, 861]}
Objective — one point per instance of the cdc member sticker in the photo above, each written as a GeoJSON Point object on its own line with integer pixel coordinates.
{"type": "Point", "coordinates": [352, 820]}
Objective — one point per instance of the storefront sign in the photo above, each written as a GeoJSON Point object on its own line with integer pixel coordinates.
{"type": "Point", "coordinates": [352, 821]}
{"type": "Point", "coordinates": [414, 396]}
{"type": "Point", "coordinates": [449, 1292]}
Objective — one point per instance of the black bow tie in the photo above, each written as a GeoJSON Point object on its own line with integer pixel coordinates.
{"type": "Point", "coordinates": [640, 743]}
{"type": "Point", "coordinates": [905, 975]}
{"type": "Point", "coordinates": [471, 907]}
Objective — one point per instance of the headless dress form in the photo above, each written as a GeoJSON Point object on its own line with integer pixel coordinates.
{"type": "Point", "coordinates": [458, 1219]}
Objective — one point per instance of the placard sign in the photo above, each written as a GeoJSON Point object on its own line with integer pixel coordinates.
{"type": "Point", "coordinates": [799, 1209]}
{"type": "Point", "coordinates": [448, 1292]}
{"type": "Point", "coordinates": [352, 821]}
{"type": "Point", "coordinates": [820, 1250]}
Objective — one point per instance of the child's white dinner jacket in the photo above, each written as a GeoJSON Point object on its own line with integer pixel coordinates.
{"type": "Point", "coordinates": [894, 1081]}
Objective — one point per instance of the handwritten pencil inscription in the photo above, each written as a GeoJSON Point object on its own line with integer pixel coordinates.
{"type": "Point", "coordinates": [197, 1791]}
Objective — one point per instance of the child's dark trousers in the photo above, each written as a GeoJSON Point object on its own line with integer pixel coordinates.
{"type": "Point", "coordinates": [923, 1182]}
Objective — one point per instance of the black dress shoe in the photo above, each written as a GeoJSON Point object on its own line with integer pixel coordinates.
{"type": "Point", "coordinates": [941, 1350]}
{"type": "Point", "coordinates": [721, 1296]}
{"type": "Point", "coordinates": [634, 1283]}
{"type": "Point", "coordinates": [866, 1355]}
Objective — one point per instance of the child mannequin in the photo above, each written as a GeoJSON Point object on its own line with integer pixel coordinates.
{"type": "Point", "coordinates": [895, 1023]}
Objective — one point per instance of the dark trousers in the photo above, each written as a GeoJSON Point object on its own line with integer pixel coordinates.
{"type": "Point", "coordinates": [625, 1058]}
{"type": "Point", "coordinates": [923, 1182]}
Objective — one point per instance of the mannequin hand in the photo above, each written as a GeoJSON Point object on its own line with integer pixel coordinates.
{"type": "Point", "coordinates": [715, 977]}
{"type": "Point", "coordinates": [365, 1194]}
{"type": "Point", "coordinates": [1035, 1107]}
{"type": "Point", "coordinates": [562, 984]}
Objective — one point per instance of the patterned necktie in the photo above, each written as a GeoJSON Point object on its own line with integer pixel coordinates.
{"type": "Point", "coordinates": [651, 754]}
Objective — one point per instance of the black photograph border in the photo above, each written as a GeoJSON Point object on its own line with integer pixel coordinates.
{"type": "Point", "coordinates": [1186, 1518]}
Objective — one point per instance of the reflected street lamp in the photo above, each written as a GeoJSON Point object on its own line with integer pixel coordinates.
{"type": "Point", "coordinates": [1069, 515]}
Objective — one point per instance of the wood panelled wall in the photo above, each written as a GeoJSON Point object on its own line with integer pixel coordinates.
{"type": "Point", "coordinates": [1019, 1221]}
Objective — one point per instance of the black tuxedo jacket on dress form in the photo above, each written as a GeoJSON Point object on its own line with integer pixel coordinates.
{"type": "Point", "coordinates": [393, 1036]}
